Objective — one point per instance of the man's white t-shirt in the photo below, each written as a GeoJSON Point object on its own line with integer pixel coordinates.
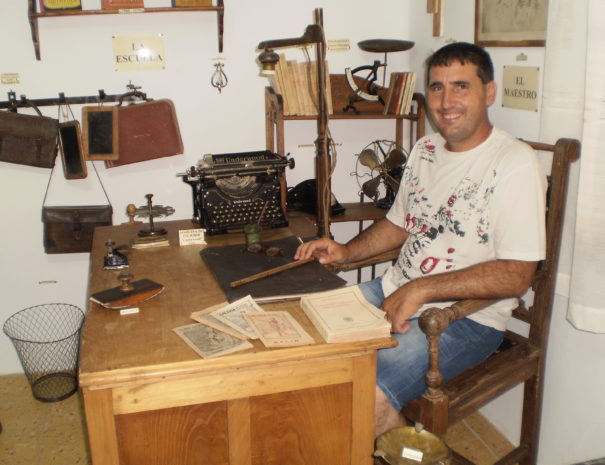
{"type": "Point", "coordinates": [464, 208]}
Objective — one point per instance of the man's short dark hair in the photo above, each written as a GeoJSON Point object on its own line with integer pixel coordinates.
{"type": "Point", "coordinates": [463, 52]}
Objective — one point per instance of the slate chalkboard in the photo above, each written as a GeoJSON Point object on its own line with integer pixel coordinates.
{"type": "Point", "coordinates": [233, 262]}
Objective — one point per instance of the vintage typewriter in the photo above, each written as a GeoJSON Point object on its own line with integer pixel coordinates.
{"type": "Point", "coordinates": [231, 190]}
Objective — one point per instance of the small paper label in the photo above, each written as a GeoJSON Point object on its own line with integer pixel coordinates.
{"type": "Point", "coordinates": [412, 454]}
{"type": "Point", "coordinates": [191, 236]}
{"type": "Point", "coordinates": [339, 45]}
{"type": "Point", "coordinates": [9, 78]}
{"type": "Point", "coordinates": [129, 311]}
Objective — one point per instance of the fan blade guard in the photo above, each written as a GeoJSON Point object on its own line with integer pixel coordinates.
{"type": "Point", "coordinates": [394, 159]}
{"type": "Point", "coordinates": [368, 158]}
{"type": "Point", "coordinates": [370, 188]}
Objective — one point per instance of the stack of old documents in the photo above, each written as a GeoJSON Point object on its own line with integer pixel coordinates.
{"type": "Point", "coordinates": [227, 328]}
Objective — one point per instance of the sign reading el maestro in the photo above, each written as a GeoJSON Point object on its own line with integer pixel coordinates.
{"type": "Point", "coordinates": [135, 53]}
{"type": "Point", "coordinates": [520, 87]}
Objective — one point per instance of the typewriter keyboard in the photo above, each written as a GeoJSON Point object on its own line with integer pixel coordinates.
{"type": "Point", "coordinates": [235, 214]}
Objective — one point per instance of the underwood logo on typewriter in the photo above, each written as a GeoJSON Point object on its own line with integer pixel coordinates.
{"type": "Point", "coordinates": [231, 190]}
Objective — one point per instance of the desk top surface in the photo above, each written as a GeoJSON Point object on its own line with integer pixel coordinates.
{"type": "Point", "coordinates": [141, 347]}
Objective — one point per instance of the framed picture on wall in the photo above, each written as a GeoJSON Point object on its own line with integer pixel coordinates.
{"type": "Point", "coordinates": [510, 23]}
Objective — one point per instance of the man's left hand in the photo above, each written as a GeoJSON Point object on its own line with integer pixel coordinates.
{"type": "Point", "coordinates": [400, 306]}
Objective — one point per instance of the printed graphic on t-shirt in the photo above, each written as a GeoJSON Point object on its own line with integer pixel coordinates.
{"type": "Point", "coordinates": [437, 224]}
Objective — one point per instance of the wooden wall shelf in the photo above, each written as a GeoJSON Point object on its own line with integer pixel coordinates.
{"type": "Point", "coordinates": [275, 132]}
{"type": "Point", "coordinates": [33, 16]}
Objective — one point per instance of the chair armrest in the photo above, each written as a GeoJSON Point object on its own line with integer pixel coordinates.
{"type": "Point", "coordinates": [436, 320]}
{"type": "Point", "coordinates": [433, 322]}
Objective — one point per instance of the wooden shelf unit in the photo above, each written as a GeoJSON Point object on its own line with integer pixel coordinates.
{"type": "Point", "coordinates": [33, 16]}
{"type": "Point", "coordinates": [275, 132]}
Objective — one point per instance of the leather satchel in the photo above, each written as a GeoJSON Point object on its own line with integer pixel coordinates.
{"type": "Point", "coordinates": [28, 139]}
{"type": "Point", "coordinates": [70, 229]}
{"type": "Point", "coordinates": [147, 130]}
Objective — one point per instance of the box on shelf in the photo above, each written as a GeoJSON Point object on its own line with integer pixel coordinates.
{"type": "Point", "coordinates": [54, 5]}
{"type": "Point", "coordinates": [191, 2]}
{"type": "Point", "coordinates": [122, 4]}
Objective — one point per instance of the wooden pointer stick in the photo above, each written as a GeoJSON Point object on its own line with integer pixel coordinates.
{"type": "Point", "coordinates": [272, 271]}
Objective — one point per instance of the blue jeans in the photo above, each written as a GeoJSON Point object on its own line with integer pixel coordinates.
{"type": "Point", "coordinates": [401, 369]}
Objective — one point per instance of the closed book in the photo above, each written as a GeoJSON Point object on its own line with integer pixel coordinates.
{"type": "Point", "coordinates": [290, 84]}
{"type": "Point", "coordinates": [390, 91]}
{"type": "Point", "coordinates": [122, 4]}
{"type": "Point", "coordinates": [280, 86]}
{"type": "Point", "coordinates": [191, 2]}
{"type": "Point", "coordinates": [396, 94]}
{"type": "Point", "coordinates": [300, 86]}
{"type": "Point", "coordinates": [54, 5]}
{"type": "Point", "coordinates": [312, 88]}
{"type": "Point", "coordinates": [118, 297]}
{"type": "Point", "coordinates": [409, 94]}
{"type": "Point", "coordinates": [147, 131]}
{"type": "Point", "coordinates": [404, 83]}
{"type": "Point", "coordinates": [344, 315]}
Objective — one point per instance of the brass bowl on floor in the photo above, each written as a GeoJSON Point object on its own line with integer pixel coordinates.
{"type": "Point", "coordinates": [412, 446]}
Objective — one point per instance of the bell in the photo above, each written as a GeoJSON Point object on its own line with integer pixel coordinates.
{"type": "Point", "coordinates": [409, 445]}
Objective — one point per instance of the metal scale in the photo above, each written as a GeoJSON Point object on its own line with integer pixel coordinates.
{"type": "Point", "coordinates": [368, 90]}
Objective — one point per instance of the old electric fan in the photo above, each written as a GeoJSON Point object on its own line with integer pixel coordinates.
{"type": "Point", "coordinates": [378, 171]}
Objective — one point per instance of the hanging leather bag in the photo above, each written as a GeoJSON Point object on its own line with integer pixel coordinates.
{"type": "Point", "coordinates": [69, 229]}
{"type": "Point", "coordinates": [28, 139]}
{"type": "Point", "coordinates": [147, 130]}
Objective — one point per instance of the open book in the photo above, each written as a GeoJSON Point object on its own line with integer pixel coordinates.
{"type": "Point", "coordinates": [344, 315]}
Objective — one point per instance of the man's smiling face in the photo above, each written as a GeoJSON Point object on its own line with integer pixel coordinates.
{"type": "Point", "coordinates": [457, 101]}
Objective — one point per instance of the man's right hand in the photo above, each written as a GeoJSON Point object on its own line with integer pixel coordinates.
{"type": "Point", "coordinates": [326, 251]}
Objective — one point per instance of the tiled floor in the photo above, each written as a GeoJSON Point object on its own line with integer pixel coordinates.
{"type": "Point", "coordinates": [38, 433]}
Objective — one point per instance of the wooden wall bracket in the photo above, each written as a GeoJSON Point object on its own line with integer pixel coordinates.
{"type": "Point", "coordinates": [435, 7]}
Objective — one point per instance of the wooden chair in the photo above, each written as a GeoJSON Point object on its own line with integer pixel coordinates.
{"type": "Point", "coordinates": [521, 359]}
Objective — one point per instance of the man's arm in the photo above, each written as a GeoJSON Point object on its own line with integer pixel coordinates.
{"type": "Point", "coordinates": [489, 280]}
{"type": "Point", "coordinates": [380, 237]}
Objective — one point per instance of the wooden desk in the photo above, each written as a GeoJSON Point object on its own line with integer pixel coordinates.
{"type": "Point", "coordinates": [150, 399]}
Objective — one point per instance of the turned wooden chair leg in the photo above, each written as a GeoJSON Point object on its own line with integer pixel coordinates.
{"type": "Point", "coordinates": [530, 421]}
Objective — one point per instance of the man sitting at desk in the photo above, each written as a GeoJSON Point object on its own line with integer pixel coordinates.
{"type": "Point", "coordinates": [469, 217]}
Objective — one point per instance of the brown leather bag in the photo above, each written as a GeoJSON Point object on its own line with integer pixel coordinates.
{"type": "Point", "coordinates": [28, 139]}
{"type": "Point", "coordinates": [147, 130]}
{"type": "Point", "coordinates": [69, 229]}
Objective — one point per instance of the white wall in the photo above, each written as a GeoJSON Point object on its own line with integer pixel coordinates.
{"type": "Point", "coordinates": [76, 59]}
{"type": "Point", "coordinates": [574, 407]}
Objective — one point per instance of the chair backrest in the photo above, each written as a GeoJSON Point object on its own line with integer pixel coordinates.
{"type": "Point", "coordinates": [521, 359]}
{"type": "Point", "coordinates": [564, 152]}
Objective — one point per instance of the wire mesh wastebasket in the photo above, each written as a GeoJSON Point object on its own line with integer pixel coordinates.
{"type": "Point", "coordinates": [47, 340]}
